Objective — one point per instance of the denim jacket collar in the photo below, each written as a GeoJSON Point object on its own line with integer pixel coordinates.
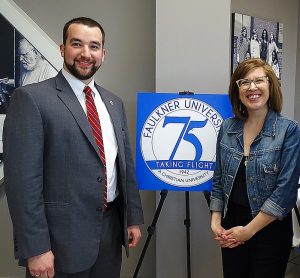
{"type": "Point", "coordinates": [269, 127]}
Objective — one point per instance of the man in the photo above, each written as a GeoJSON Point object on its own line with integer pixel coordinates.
{"type": "Point", "coordinates": [33, 67]}
{"type": "Point", "coordinates": [242, 46]}
{"type": "Point", "coordinates": [56, 172]}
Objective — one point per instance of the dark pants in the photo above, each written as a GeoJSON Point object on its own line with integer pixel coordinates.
{"type": "Point", "coordinates": [266, 254]}
{"type": "Point", "coordinates": [108, 263]}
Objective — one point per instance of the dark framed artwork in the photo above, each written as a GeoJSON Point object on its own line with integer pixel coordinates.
{"type": "Point", "coordinates": [256, 38]}
{"type": "Point", "coordinates": [7, 68]}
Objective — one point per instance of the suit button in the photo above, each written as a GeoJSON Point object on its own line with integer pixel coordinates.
{"type": "Point", "coordinates": [99, 209]}
{"type": "Point", "coordinates": [99, 179]}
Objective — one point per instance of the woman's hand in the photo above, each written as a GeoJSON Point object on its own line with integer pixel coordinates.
{"type": "Point", "coordinates": [239, 233]}
{"type": "Point", "coordinates": [219, 231]}
{"type": "Point", "coordinates": [216, 227]}
{"type": "Point", "coordinates": [220, 234]}
{"type": "Point", "coordinates": [243, 233]}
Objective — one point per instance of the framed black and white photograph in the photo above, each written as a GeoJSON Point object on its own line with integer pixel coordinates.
{"type": "Point", "coordinates": [27, 55]}
{"type": "Point", "coordinates": [254, 37]}
{"type": "Point", "coordinates": [22, 63]}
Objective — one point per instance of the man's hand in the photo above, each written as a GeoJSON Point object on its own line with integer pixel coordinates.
{"type": "Point", "coordinates": [42, 265]}
{"type": "Point", "coordinates": [134, 235]}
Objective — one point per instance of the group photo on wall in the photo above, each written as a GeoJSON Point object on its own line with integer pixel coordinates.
{"type": "Point", "coordinates": [254, 37]}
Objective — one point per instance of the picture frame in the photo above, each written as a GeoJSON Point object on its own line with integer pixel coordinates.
{"type": "Point", "coordinates": [254, 37]}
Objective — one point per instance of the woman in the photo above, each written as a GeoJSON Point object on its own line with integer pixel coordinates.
{"type": "Point", "coordinates": [256, 176]}
{"type": "Point", "coordinates": [275, 65]}
{"type": "Point", "coordinates": [243, 45]}
{"type": "Point", "coordinates": [254, 45]}
{"type": "Point", "coordinates": [264, 45]}
{"type": "Point", "coordinates": [271, 48]}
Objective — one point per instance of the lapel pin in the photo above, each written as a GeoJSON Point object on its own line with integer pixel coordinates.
{"type": "Point", "coordinates": [111, 102]}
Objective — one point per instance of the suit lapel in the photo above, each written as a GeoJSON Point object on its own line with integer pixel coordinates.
{"type": "Point", "coordinates": [111, 107]}
{"type": "Point", "coordinates": [68, 97]}
{"type": "Point", "coordinates": [114, 111]}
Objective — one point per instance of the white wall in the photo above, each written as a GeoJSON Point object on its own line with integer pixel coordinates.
{"type": "Point", "coordinates": [192, 53]}
{"type": "Point", "coordinates": [8, 266]}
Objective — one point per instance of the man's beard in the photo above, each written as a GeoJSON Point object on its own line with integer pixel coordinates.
{"type": "Point", "coordinates": [73, 70]}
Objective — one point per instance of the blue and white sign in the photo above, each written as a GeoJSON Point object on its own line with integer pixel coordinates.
{"type": "Point", "coordinates": [176, 139]}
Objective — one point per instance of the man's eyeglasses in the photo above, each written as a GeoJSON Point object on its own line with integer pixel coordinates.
{"type": "Point", "coordinates": [24, 55]}
{"type": "Point", "coordinates": [246, 83]}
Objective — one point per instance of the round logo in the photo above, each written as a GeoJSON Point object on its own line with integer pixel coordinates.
{"type": "Point", "coordinates": [178, 141]}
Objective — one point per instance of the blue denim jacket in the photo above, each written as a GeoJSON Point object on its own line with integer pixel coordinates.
{"type": "Point", "coordinates": [273, 167]}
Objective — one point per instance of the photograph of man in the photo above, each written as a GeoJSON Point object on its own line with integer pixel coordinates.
{"type": "Point", "coordinates": [33, 66]}
{"type": "Point", "coordinates": [242, 45]}
{"type": "Point", "coordinates": [69, 173]}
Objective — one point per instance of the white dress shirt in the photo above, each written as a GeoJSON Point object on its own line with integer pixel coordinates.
{"type": "Point", "coordinates": [108, 133]}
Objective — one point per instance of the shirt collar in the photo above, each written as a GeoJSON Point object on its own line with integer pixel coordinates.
{"type": "Point", "coordinates": [76, 84]}
{"type": "Point", "coordinates": [268, 129]}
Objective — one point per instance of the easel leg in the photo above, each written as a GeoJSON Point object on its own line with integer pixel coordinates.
{"type": "Point", "coordinates": [187, 223]}
{"type": "Point", "coordinates": [151, 230]}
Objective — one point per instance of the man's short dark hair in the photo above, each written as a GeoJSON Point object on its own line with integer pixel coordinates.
{"type": "Point", "coordinates": [85, 21]}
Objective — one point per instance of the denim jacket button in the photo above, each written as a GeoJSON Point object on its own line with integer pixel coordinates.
{"type": "Point", "coordinates": [254, 199]}
{"type": "Point", "coordinates": [251, 157]}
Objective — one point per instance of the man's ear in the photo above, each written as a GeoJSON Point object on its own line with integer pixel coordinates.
{"type": "Point", "coordinates": [62, 50]}
{"type": "Point", "coordinates": [103, 56]}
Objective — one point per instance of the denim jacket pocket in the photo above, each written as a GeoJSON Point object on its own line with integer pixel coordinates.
{"type": "Point", "coordinates": [268, 178]}
{"type": "Point", "coordinates": [271, 169]}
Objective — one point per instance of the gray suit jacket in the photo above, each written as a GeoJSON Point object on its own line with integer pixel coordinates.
{"type": "Point", "coordinates": [54, 176]}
